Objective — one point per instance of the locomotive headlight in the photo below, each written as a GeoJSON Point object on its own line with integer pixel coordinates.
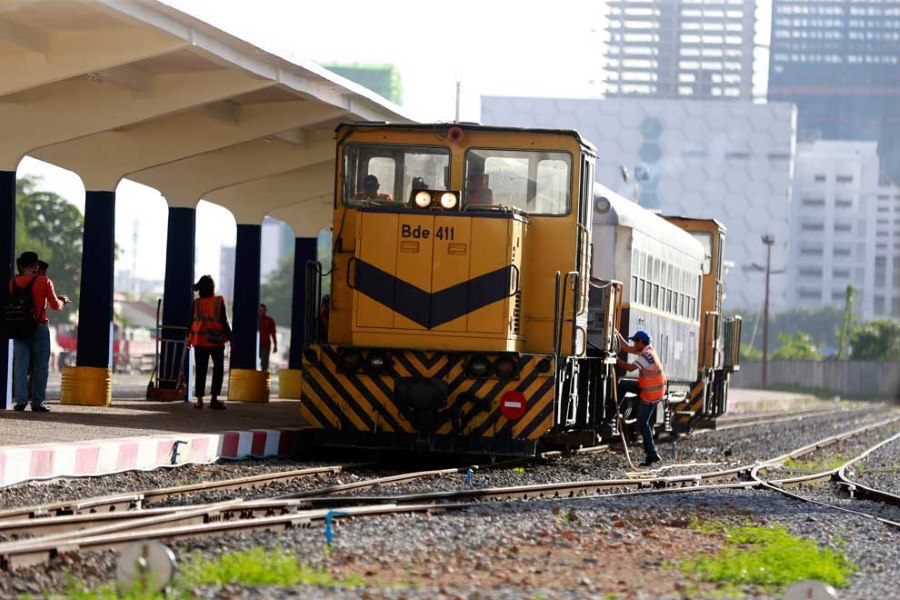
{"type": "Point", "coordinates": [377, 361]}
{"type": "Point", "coordinates": [448, 200]}
{"type": "Point", "coordinates": [422, 199]}
{"type": "Point", "coordinates": [478, 366]}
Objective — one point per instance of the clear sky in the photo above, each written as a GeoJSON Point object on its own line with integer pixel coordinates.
{"type": "Point", "coordinates": [493, 47]}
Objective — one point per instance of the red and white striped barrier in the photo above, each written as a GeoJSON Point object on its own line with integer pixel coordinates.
{"type": "Point", "coordinates": [102, 457]}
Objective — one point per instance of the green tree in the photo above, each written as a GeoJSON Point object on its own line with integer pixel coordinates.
{"type": "Point", "coordinates": [876, 340]}
{"type": "Point", "coordinates": [798, 346]}
{"type": "Point", "coordinates": [53, 227]}
{"type": "Point", "coordinates": [749, 352]}
{"type": "Point", "coordinates": [821, 324]}
{"type": "Point", "coordinates": [277, 291]}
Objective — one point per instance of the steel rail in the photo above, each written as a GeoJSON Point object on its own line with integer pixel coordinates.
{"type": "Point", "coordinates": [752, 420]}
{"type": "Point", "coordinates": [227, 510]}
{"type": "Point", "coordinates": [781, 485]}
{"type": "Point", "coordinates": [857, 489]}
{"type": "Point", "coordinates": [573, 488]}
{"type": "Point", "coordinates": [132, 500]}
{"type": "Point", "coordinates": [39, 550]}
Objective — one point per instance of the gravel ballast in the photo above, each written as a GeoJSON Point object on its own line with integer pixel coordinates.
{"type": "Point", "coordinates": [583, 547]}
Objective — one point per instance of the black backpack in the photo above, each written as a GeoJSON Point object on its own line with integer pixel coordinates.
{"type": "Point", "coordinates": [18, 319]}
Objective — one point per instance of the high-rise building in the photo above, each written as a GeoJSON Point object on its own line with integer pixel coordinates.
{"type": "Point", "coordinates": [886, 248]}
{"type": "Point", "coordinates": [680, 48]}
{"type": "Point", "coordinates": [834, 186]}
{"type": "Point", "coordinates": [381, 79]}
{"type": "Point", "coordinates": [839, 62]}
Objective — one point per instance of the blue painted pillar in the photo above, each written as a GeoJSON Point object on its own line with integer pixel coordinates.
{"type": "Point", "coordinates": [177, 293]}
{"type": "Point", "coordinates": [305, 249]}
{"type": "Point", "coordinates": [95, 305]}
{"type": "Point", "coordinates": [7, 253]}
{"type": "Point", "coordinates": [245, 323]}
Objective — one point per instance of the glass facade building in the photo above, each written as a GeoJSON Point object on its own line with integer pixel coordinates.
{"type": "Point", "coordinates": [839, 62]}
{"type": "Point", "coordinates": [680, 48]}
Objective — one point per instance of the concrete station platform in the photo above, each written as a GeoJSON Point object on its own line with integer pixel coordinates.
{"type": "Point", "coordinates": [134, 434]}
{"type": "Point", "coordinates": [77, 441]}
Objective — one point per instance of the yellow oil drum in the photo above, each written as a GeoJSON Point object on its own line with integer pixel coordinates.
{"type": "Point", "coordinates": [86, 386]}
{"type": "Point", "coordinates": [249, 385]}
{"type": "Point", "coordinates": [289, 383]}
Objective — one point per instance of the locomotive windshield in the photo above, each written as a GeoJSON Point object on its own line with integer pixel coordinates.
{"type": "Point", "coordinates": [385, 175]}
{"type": "Point", "coordinates": [534, 182]}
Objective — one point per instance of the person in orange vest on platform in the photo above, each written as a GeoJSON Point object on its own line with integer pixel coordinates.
{"type": "Point", "coordinates": [208, 335]}
{"type": "Point", "coordinates": [650, 386]}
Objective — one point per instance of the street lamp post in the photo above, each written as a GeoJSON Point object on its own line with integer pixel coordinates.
{"type": "Point", "coordinates": [768, 239]}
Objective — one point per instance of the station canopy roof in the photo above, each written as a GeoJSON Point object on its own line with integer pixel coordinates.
{"type": "Point", "coordinates": [136, 89]}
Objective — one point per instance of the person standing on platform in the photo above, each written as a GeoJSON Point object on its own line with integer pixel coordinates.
{"type": "Point", "coordinates": [35, 349]}
{"type": "Point", "coordinates": [208, 335]}
{"type": "Point", "coordinates": [268, 341]}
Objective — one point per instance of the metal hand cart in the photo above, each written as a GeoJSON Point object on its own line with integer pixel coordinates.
{"type": "Point", "coordinates": [167, 381]}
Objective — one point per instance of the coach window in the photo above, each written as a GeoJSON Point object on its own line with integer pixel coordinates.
{"type": "Point", "coordinates": [669, 288]}
{"type": "Point", "coordinates": [635, 257]}
{"type": "Point", "coordinates": [657, 279]}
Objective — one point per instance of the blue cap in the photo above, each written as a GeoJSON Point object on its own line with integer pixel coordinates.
{"type": "Point", "coordinates": [641, 336]}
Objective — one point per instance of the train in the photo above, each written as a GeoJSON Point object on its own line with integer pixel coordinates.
{"type": "Point", "coordinates": [478, 277]}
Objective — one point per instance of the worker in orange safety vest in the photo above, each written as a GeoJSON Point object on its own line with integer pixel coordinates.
{"type": "Point", "coordinates": [208, 335]}
{"type": "Point", "coordinates": [650, 386]}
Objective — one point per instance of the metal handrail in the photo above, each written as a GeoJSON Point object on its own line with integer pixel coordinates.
{"type": "Point", "coordinates": [313, 302]}
{"type": "Point", "coordinates": [559, 309]}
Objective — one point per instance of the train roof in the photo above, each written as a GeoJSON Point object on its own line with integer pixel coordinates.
{"type": "Point", "coordinates": [718, 223]}
{"type": "Point", "coordinates": [625, 213]}
{"type": "Point", "coordinates": [464, 125]}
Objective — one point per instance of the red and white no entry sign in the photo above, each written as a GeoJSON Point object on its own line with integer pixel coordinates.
{"type": "Point", "coordinates": [513, 405]}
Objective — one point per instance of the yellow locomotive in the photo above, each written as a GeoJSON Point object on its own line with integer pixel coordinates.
{"type": "Point", "coordinates": [464, 315]}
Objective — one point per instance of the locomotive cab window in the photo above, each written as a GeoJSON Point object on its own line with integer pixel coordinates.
{"type": "Point", "coordinates": [386, 175]}
{"type": "Point", "coordinates": [534, 182]}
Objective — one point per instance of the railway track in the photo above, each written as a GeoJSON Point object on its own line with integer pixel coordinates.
{"type": "Point", "coordinates": [737, 422]}
{"type": "Point", "coordinates": [838, 475]}
{"type": "Point", "coordinates": [136, 500]}
{"type": "Point", "coordinates": [51, 536]}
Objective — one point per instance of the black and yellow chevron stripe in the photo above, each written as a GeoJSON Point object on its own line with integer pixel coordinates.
{"type": "Point", "coordinates": [332, 399]}
{"type": "Point", "coordinates": [693, 405]}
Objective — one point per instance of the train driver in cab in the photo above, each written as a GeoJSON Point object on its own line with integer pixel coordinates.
{"type": "Point", "coordinates": [650, 386]}
{"type": "Point", "coordinates": [477, 190]}
{"type": "Point", "coordinates": [369, 191]}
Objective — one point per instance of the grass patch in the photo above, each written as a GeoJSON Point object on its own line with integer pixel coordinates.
{"type": "Point", "coordinates": [258, 566]}
{"type": "Point", "coordinates": [110, 591]}
{"type": "Point", "coordinates": [253, 567]}
{"type": "Point", "coordinates": [826, 464]}
{"type": "Point", "coordinates": [770, 557]}
{"type": "Point", "coordinates": [519, 470]}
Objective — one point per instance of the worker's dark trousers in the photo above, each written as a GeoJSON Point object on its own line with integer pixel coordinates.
{"type": "Point", "coordinates": [202, 354]}
{"type": "Point", "coordinates": [644, 413]}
